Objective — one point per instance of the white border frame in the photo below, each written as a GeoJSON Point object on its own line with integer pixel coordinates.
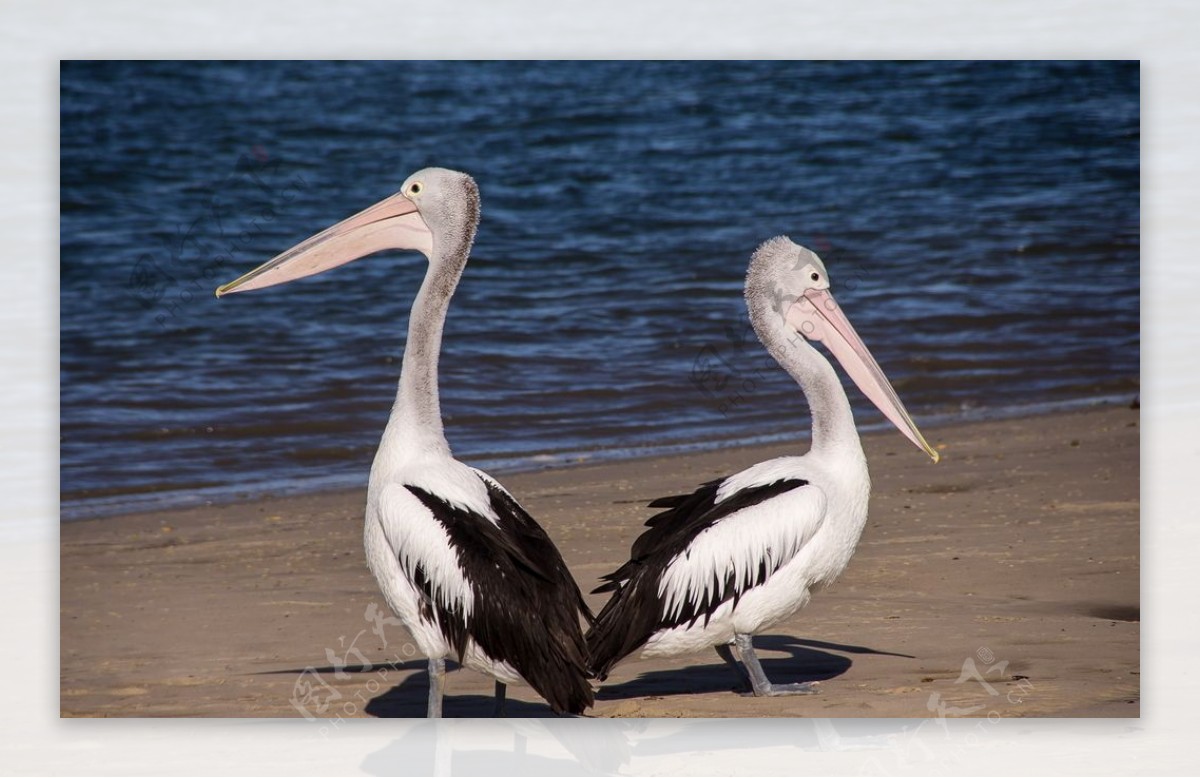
{"type": "Point", "coordinates": [34, 36]}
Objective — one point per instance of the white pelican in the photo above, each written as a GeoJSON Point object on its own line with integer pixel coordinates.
{"type": "Point", "coordinates": [469, 572]}
{"type": "Point", "coordinates": [744, 552]}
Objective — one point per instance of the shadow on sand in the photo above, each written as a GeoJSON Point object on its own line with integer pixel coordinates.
{"type": "Point", "coordinates": [807, 660]}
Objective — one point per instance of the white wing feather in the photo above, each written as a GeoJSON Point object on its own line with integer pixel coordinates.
{"type": "Point", "coordinates": [772, 532]}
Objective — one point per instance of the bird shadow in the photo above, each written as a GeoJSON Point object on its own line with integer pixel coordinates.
{"type": "Point", "coordinates": [409, 698]}
{"type": "Point", "coordinates": [375, 667]}
{"type": "Point", "coordinates": [843, 647]}
{"type": "Point", "coordinates": [806, 662]}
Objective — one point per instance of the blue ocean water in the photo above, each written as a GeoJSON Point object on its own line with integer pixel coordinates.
{"type": "Point", "coordinates": [980, 222]}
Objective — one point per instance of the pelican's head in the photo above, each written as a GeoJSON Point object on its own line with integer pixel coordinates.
{"type": "Point", "coordinates": [435, 212]}
{"type": "Point", "coordinates": [790, 282]}
{"type": "Point", "coordinates": [785, 270]}
{"type": "Point", "coordinates": [447, 200]}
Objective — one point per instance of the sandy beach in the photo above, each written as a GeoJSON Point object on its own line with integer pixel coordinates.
{"type": "Point", "coordinates": [1002, 581]}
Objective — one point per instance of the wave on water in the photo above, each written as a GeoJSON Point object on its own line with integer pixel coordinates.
{"type": "Point", "coordinates": [980, 221]}
{"type": "Point", "coordinates": [176, 496]}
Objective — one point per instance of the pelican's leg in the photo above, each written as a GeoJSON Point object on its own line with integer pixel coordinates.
{"type": "Point", "coordinates": [758, 679]}
{"type": "Point", "coordinates": [726, 653]}
{"type": "Point", "coordinates": [437, 679]}
{"type": "Point", "coordinates": [499, 710]}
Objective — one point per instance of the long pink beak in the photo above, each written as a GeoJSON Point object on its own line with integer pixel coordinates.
{"type": "Point", "coordinates": [393, 223]}
{"type": "Point", "coordinates": [817, 316]}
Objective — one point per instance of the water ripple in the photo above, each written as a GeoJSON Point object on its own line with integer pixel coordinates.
{"type": "Point", "coordinates": [980, 222]}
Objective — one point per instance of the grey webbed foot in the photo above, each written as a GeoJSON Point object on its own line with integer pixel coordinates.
{"type": "Point", "coordinates": [782, 689]}
{"type": "Point", "coordinates": [760, 685]}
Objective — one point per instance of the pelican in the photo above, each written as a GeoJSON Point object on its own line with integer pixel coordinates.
{"type": "Point", "coordinates": [465, 568]}
{"type": "Point", "coordinates": [744, 552]}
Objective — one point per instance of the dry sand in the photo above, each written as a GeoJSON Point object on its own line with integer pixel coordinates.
{"type": "Point", "coordinates": [1002, 581]}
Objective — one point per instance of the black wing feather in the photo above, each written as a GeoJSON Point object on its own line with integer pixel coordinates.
{"type": "Point", "coordinates": [527, 605]}
{"type": "Point", "coordinates": [635, 610]}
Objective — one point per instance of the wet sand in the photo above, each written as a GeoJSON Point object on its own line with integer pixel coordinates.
{"type": "Point", "coordinates": [1002, 581]}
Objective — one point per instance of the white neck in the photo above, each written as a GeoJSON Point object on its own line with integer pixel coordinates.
{"type": "Point", "coordinates": [415, 426]}
{"type": "Point", "coordinates": [833, 428]}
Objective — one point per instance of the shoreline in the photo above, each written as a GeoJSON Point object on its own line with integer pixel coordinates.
{"type": "Point", "coordinates": [156, 501]}
{"type": "Point", "coordinates": [1018, 552]}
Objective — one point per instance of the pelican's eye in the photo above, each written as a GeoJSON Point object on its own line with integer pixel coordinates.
{"type": "Point", "coordinates": [414, 188]}
{"type": "Point", "coordinates": [816, 276]}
